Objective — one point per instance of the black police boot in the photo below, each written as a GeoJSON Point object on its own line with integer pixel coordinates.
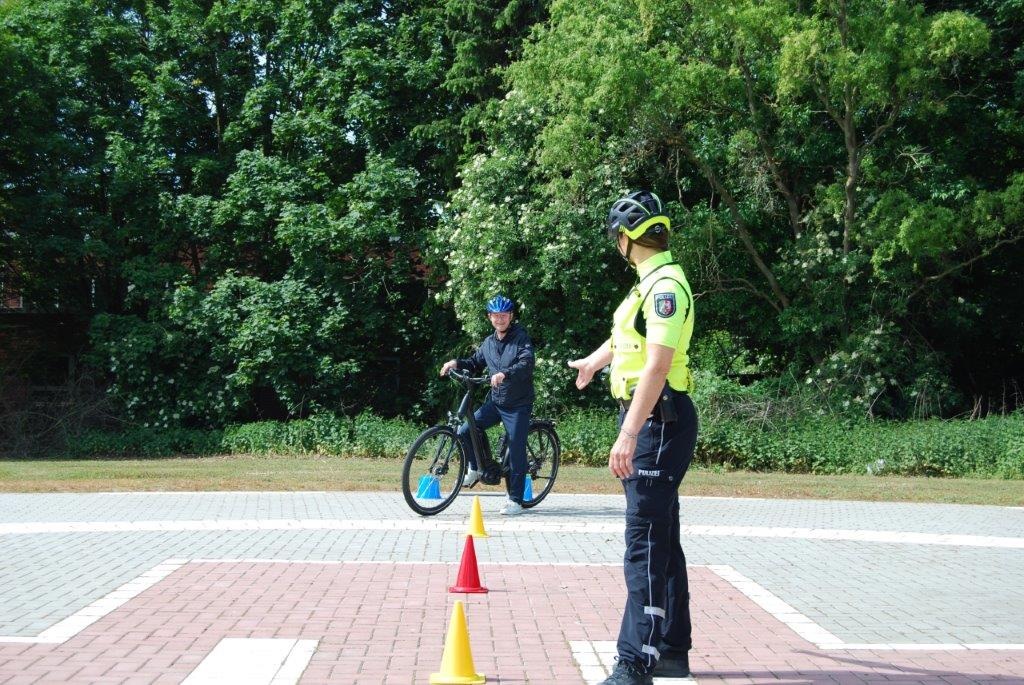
{"type": "Point", "coordinates": [626, 673]}
{"type": "Point", "coordinates": [672, 664]}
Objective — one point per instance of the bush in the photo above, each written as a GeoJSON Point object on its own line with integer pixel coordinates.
{"type": "Point", "coordinates": [319, 434]}
{"type": "Point", "coordinates": [826, 445]}
{"type": "Point", "coordinates": [919, 448]}
{"type": "Point", "coordinates": [1010, 463]}
{"type": "Point", "coordinates": [587, 436]}
{"type": "Point", "coordinates": [986, 447]}
{"type": "Point", "coordinates": [254, 438]}
{"type": "Point", "coordinates": [327, 434]}
{"type": "Point", "coordinates": [377, 437]}
{"type": "Point", "coordinates": [146, 442]}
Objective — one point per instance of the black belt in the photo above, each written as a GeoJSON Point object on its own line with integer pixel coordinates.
{"type": "Point", "coordinates": [664, 409]}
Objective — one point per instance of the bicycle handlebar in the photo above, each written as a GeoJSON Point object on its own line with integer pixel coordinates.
{"type": "Point", "coordinates": [466, 378]}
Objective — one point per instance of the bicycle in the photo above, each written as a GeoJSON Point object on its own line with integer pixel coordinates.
{"type": "Point", "coordinates": [436, 463]}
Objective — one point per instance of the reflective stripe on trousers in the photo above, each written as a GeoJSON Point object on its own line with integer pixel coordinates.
{"type": "Point", "coordinates": [657, 613]}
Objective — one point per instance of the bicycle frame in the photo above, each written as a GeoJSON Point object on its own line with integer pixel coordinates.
{"type": "Point", "coordinates": [465, 411]}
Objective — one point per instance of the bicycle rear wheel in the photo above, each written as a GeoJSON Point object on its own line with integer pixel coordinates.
{"type": "Point", "coordinates": [433, 471]}
{"type": "Point", "coordinates": [543, 455]}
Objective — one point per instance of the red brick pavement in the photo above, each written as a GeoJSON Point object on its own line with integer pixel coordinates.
{"type": "Point", "coordinates": [385, 623]}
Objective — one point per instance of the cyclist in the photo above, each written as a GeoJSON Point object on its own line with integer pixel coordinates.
{"type": "Point", "coordinates": [508, 355]}
{"type": "Point", "coordinates": [651, 381]}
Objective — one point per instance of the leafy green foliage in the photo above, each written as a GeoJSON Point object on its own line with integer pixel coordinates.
{"type": "Point", "coordinates": [287, 208]}
{"type": "Point", "coordinates": [376, 437]}
{"type": "Point", "coordinates": [365, 436]}
{"type": "Point", "coordinates": [257, 185]}
{"type": "Point", "coordinates": [988, 447]}
{"type": "Point", "coordinates": [146, 442]}
{"type": "Point", "coordinates": [924, 448]}
{"type": "Point", "coordinates": [319, 434]}
{"type": "Point", "coordinates": [825, 209]}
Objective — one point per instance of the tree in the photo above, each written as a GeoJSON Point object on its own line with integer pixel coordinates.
{"type": "Point", "coordinates": [72, 91]}
{"type": "Point", "coordinates": [281, 158]}
{"type": "Point", "coordinates": [803, 149]}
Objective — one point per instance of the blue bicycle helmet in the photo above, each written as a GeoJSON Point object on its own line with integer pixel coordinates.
{"type": "Point", "coordinates": [500, 304]}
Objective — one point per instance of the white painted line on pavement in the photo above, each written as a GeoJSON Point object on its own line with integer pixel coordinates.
{"type": "Point", "coordinates": [894, 646]}
{"type": "Point", "coordinates": [800, 624]}
{"type": "Point", "coordinates": [428, 525]}
{"type": "Point", "coordinates": [818, 636]}
{"type": "Point", "coordinates": [340, 562]}
{"type": "Point", "coordinates": [83, 618]}
{"type": "Point", "coordinates": [296, 663]}
{"type": "Point", "coordinates": [253, 661]}
{"type": "Point", "coordinates": [30, 528]}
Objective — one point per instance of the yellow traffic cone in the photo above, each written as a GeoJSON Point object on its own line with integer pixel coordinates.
{"type": "Point", "coordinates": [457, 662]}
{"type": "Point", "coordinates": [476, 520]}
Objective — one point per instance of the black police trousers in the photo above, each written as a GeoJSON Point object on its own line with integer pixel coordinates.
{"type": "Point", "coordinates": [657, 614]}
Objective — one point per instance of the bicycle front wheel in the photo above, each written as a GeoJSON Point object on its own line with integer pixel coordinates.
{"type": "Point", "coordinates": [433, 471]}
{"type": "Point", "coordinates": [543, 454]}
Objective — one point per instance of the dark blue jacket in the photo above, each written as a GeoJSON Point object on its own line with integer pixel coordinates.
{"type": "Point", "coordinates": [513, 357]}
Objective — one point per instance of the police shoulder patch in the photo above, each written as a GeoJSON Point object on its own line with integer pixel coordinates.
{"type": "Point", "coordinates": [665, 304]}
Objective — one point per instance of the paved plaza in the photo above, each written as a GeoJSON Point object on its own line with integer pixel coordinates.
{"type": "Point", "coordinates": [283, 588]}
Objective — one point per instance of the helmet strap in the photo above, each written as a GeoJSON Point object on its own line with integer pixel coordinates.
{"type": "Point", "coordinates": [629, 250]}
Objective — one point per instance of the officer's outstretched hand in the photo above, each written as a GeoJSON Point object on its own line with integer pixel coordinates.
{"type": "Point", "coordinates": [497, 379]}
{"type": "Point", "coordinates": [585, 373]}
{"type": "Point", "coordinates": [448, 366]}
{"type": "Point", "coordinates": [620, 460]}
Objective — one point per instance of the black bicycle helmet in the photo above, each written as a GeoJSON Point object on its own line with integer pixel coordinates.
{"type": "Point", "coordinates": [637, 213]}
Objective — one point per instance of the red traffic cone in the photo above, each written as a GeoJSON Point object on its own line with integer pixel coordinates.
{"type": "Point", "coordinates": [469, 576]}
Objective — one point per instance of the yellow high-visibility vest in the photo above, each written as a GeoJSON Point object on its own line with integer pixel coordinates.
{"type": "Point", "coordinates": [662, 303]}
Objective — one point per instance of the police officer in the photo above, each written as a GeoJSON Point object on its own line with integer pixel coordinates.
{"type": "Point", "coordinates": [508, 354]}
{"type": "Point", "coordinates": [651, 381]}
